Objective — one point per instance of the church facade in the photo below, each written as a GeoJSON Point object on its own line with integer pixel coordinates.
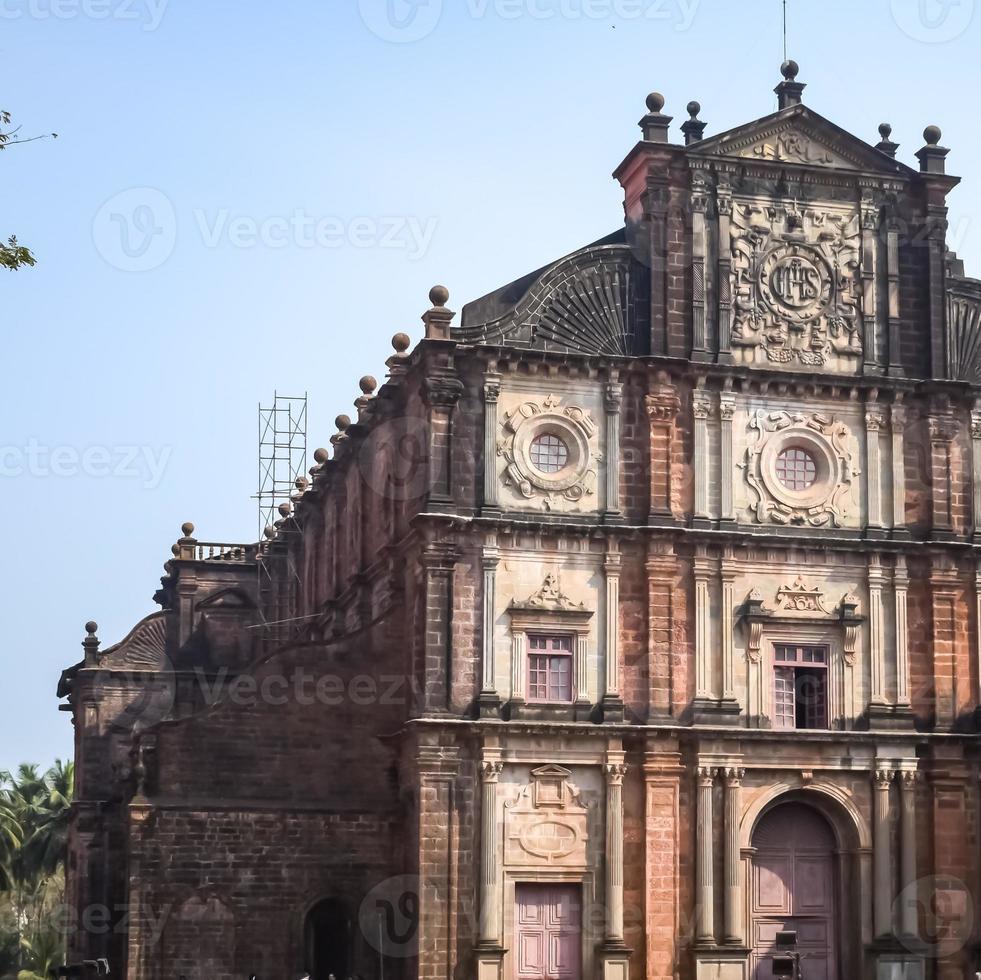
{"type": "Point", "coordinates": [629, 629]}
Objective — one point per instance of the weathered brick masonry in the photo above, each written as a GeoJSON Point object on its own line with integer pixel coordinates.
{"type": "Point", "coordinates": [632, 621]}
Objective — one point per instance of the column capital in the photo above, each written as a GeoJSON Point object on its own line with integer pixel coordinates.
{"type": "Point", "coordinates": [706, 775]}
{"type": "Point", "coordinates": [490, 770]}
{"type": "Point", "coordinates": [883, 777]}
{"type": "Point", "coordinates": [615, 771]}
{"type": "Point", "coordinates": [733, 775]}
{"type": "Point", "coordinates": [613, 397]}
{"type": "Point", "coordinates": [492, 387]}
{"type": "Point", "coordinates": [908, 778]}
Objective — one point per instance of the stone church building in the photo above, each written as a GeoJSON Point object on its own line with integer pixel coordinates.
{"type": "Point", "coordinates": [631, 623]}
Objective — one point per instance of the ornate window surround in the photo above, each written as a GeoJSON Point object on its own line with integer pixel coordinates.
{"type": "Point", "coordinates": [801, 618]}
{"type": "Point", "coordinates": [550, 611]}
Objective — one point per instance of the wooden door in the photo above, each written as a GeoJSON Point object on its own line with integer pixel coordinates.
{"type": "Point", "coordinates": [548, 932]}
{"type": "Point", "coordinates": [794, 888]}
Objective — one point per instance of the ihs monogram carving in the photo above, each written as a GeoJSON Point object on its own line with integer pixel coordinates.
{"type": "Point", "coordinates": [826, 441]}
{"type": "Point", "coordinates": [550, 597]}
{"type": "Point", "coordinates": [799, 598]}
{"type": "Point", "coordinates": [572, 425]}
{"type": "Point", "coordinates": [797, 285]}
{"type": "Point", "coordinates": [792, 148]}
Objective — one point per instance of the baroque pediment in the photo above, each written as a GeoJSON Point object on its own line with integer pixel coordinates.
{"type": "Point", "coordinates": [144, 648]}
{"type": "Point", "coordinates": [800, 136]}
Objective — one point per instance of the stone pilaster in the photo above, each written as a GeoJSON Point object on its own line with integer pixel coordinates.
{"type": "Point", "coordinates": [882, 854]}
{"type": "Point", "coordinates": [727, 411]}
{"type": "Point", "coordinates": [491, 899]}
{"type": "Point", "coordinates": [724, 207]}
{"type": "Point", "coordinates": [896, 369]}
{"type": "Point", "coordinates": [898, 426]}
{"type": "Point", "coordinates": [438, 563]}
{"type": "Point", "coordinates": [877, 633]}
{"type": "Point", "coordinates": [613, 404]}
{"type": "Point", "coordinates": [612, 704]}
{"type": "Point", "coordinates": [942, 431]}
{"type": "Point", "coordinates": [977, 637]}
{"type": "Point", "coordinates": [976, 467]}
{"type": "Point", "coordinates": [663, 406]}
{"type": "Point", "coordinates": [733, 857]}
{"type": "Point", "coordinates": [703, 569]}
{"type": "Point", "coordinates": [705, 859]}
{"type": "Point", "coordinates": [702, 407]}
{"type": "Point", "coordinates": [699, 207]}
{"type": "Point", "coordinates": [518, 662]}
{"type": "Point", "coordinates": [909, 912]}
{"type": "Point", "coordinates": [492, 392]}
{"type": "Point", "coordinates": [615, 954]}
{"type": "Point", "coordinates": [442, 392]}
{"type": "Point", "coordinates": [870, 281]}
{"type": "Point", "coordinates": [490, 698]}
{"type": "Point", "coordinates": [901, 592]}
{"type": "Point", "coordinates": [875, 423]}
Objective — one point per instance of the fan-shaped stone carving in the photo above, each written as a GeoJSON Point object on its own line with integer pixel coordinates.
{"type": "Point", "coordinates": [589, 313]}
{"type": "Point", "coordinates": [964, 329]}
{"type": "Point", "coordinates": [143, 648]}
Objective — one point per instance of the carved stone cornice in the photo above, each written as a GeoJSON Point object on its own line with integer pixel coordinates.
{"type": "Point", "coordinates": [443, 391]}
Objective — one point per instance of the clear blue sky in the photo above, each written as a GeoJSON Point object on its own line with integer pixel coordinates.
{"type": "Point", "coordinates": [394, 145]}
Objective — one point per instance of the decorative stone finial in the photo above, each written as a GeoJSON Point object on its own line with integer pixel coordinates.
{"type": "Point", "coordinates": [693, 128]}
{"type": "Point", "coordinates": [885, 144]}
{"type": "Point", "coordinates": [320, 456]}
{"type": "Point", "coordinates": [790, 92]}
{"type": "Point", "coordinates": [187, 529]}
{"type": "Point", "coordinates": [655, 124]}
{"type": "Point", "coordinates": [401, 342]}
{"type": "Point", "coordinates": [368, 384]}
{"type": "Point", "coordinates": [284, 510]}
{"type": "Point", "coordinates": [439, 318]}
{"type": "Point", "coordinates": [933, 156]}
{"type": "Point", "coordinates": [269, 532]}
{"type": "Point", "coordinates": [301, 483]}
{"type": "Point", "coordinates": [342, 422]}
{"type": "Point", "coordinates": [175, 550]}
{"type": "Point", "coordinates": [91, 643]}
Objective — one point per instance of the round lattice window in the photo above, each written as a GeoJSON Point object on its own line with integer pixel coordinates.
{"type": "Point", "coordinates": [549, 453]}
{"type": "Point", "coordinates": [796, 469]}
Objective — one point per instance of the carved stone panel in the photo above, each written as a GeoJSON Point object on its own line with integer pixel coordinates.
{"type": "Point", "coordinates": [547, 824]}
{"type": "Point", "coordinates": [796, 283]}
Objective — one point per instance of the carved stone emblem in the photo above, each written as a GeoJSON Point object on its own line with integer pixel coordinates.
{"type": "Point", "coordinates": [548, 823]}
{"type": "Point", "coordinates": [797, 285]}
{"type": "Point", "coordinates": [799, 598]}
{"type": "Point", "coordinates": [570, 424]}
{"type": "Point", "coordinates": [826, 441]}
{"type": "Point", "coordinates": [550, 598]}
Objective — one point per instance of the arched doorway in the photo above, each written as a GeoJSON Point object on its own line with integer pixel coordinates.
{"type": "Point", "coordinates": [327, 940]}
{"type": "Point", "coordinates": [794, 888]}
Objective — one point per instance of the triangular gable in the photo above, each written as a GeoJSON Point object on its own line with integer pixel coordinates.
{"type": "Point", "coordinates": [801, 136]}
{"type": "Point", "coordinates": [230, 599]}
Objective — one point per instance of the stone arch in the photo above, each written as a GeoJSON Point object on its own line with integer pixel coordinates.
{"type": "Point", "coordinates": [328, 938]}
{"type": "Point", "coordinates": [850, 827]}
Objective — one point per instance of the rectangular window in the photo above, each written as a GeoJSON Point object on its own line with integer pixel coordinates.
{"type": "Point", "coordinates": [800, 687]}
{"type": "Point", "coordinates": [550, 669]}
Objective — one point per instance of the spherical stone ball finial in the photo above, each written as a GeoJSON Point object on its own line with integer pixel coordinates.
{"type": "Point", "coordinates": [320, 456]}
{"type": "Point", "coordinates": [342, 422]}
{"type": "Point", "coordinates": [175, 549]}
{"type": "Point", "coordinates": [367, 384]}
{"type": "Point", "coordinates": [694, 108]}
{"type": "Point", "coordinates": [301, 483]}
{"type": "Point", "coordinates": [284, 509]}
{"type": "Point", "coordinates": [933, 135]}
{"type": "Point", "coordinates": [790, 70]}
{"type": "Point", "coordinates": [187, 529]}
{"type": "Point", "coordinates": [655, 102]}
{"type": "Point", "coordinates": [91, 627]}
{"type": "Point", "coordinates": [439, 296]}
{"type": "Point", "coordinates": [269, 532]}
{"type": "Point", "coordinates": [401, 342]}
{"type": "Point", "coordinates": [885, 130]}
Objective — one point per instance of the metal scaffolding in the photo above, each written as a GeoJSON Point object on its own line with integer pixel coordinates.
{"type": "Point", "coordinates": [282, 454]}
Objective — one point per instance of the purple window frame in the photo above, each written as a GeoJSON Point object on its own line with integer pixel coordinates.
{"type": "Point", "coordinates": [550, 663]}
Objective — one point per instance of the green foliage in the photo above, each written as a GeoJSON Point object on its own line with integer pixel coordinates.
{"type": "Point", "coordinates": [34, 811]}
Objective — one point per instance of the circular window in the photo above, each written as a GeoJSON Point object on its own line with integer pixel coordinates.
{"type": "Point", "coordinates": [549, 454]}
{"type": "Point", "coordinates": [796, 469]}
